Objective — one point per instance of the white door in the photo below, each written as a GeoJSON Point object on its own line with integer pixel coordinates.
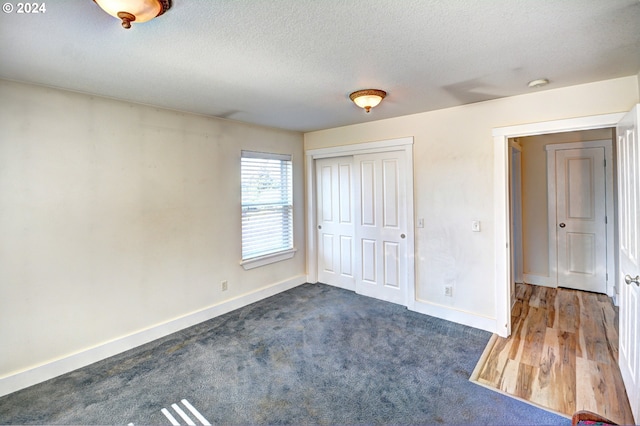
{"type": "Point", "coordinates": [334, 177]}
{"type": "Point", "coordinates": [629, 255]}
{"type": "Point", "coordinates": [581, 219]}
{"type": "Point", "coordinates": [381, 226]}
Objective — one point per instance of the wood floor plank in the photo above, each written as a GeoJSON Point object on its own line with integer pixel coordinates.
{"type": "Point", "coordinates": [592, 331]}
{"type": "Point", "coordinates": [568, 306]}
{"type": "Point", "coordinates": [586, 398]}
{"type": "Point", "coordinates": [544, 392]}
{"type": "Point", "coordinates": [597, 394]}
{"type": "Point", "coordinates": [610, 319]}
{"type": "Point", "coordinates": [524, 382]}
{"type": "Point", "coordinates": [534, 337]}
{"type": "Point", "coordinates": [537, 298]}
{"type": "Point", "coordinates": [550, 355]}
{"type": "Point", "coordinates": [509, 380]}
{"type": "Point", "coordinates": [518, 332]}
{"type": "Point", "coordinates": [493, 369]}
{"type": "Point", "coordinates": [562, 353]}
{"type": "Point", "coordinates": [551, 307]}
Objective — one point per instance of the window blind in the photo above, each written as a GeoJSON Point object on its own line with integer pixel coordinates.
{"type": "Point", "coordinates": [267, 204]}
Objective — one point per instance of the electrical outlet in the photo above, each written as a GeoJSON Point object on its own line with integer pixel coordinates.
{"type": "Point", "coordinates": [448, 291]}
{"type": "Point", "coordinates": [225, 285]}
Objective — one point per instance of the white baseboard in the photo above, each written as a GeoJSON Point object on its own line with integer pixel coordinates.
{"type": "Point", "coordinates": [542, 280]}
{"type": "Point", "coordinates": [49, 370]}
{"type": "Point", "coordinates": [339, 285]}
{"type": "Point", "coordinates": [455, 315]}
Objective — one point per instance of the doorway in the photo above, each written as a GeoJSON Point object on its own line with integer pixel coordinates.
{"type": "Point", "coordinates": [502, 249]}
{"type": "Point", "coordinates": [627, 134]}
{"type": "Point", "coordinates": [567, 237]}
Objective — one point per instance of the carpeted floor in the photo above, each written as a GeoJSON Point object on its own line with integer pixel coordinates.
{"type": "Point", "coordinates": [312, 355]}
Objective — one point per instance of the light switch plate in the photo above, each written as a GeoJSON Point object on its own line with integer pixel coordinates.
{"type": "Point", "coordinates": [475, 226]}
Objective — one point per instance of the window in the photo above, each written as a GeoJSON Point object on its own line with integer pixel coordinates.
{"type": "Point", "coordinates": [267, 207]}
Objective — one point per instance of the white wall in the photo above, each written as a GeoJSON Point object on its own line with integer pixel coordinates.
{"type": "Point", "coordinates": [453, 183]}
{"type": "Point", "coordinates": [116, 218]}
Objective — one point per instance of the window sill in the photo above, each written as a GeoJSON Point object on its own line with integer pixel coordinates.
{"type": "Point", "coordinates": [256, 262]}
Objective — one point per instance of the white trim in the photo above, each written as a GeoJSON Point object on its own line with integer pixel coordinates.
{"type": "Point", "coordinates": [559, 126]}
{"type": "Point", "coordinates": [501, 137]}
{"type": "Point", "coordinates": [542, 280]}
{"type": "Point", "coordinates": [515, 179]}
{"type": "Point", "coordinates": [604, 143]}
{"type": "Point", "coordinates": [360, 148]}
{"type": "Point", "coordinates": [551, 149]}
{"type": "Point", "coordinates": [49, 370]}
{"type": "Point", "coordinates": [310, 193]}
{"type": "Point", "coordinates": [515, 145]}
{"type": "Point", "coordinates": [455, 315]}
{"type": "Point", "coordinates": [502, 269]}
{"type": "Point", "coordinates": [265, 155]}
{"type": "Point", "coordinates": [256, 262]}
{"type": "Point", "coordinates": [410, 294]}
{"type": "Point", "coordinates": [400, 144]}
{"type": "Point", "coordinates": [552, 241]}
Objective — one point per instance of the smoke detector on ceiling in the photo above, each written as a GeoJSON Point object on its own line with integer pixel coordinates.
{"type": "Point", "coordinates": [538, 83]}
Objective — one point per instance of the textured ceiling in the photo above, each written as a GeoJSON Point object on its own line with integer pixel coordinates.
{"type": "Point", "coordinates": [292, 63]}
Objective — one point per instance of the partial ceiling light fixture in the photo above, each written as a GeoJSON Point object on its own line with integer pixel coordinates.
{"type": "Point", "coordinates": [534, 84]}
{"type": "Point", "coordinates": [134, 10]}
{"type": "Point", "coordinates": [368, 98]}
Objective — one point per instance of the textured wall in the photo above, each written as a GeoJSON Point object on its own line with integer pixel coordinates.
{"type": "Point", "coordinates": [115, 217]}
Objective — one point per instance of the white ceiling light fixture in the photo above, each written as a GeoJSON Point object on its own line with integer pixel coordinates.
{"type": "Point", "coordinates": [134, 10]}
{"type": "Point", "coordinates": [534, 84]}
{"type": "Point", "coordinates": [368, 98]}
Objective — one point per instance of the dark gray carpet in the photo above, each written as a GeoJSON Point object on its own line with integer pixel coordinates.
{"type": "Point", "coordinates": [312, 355]}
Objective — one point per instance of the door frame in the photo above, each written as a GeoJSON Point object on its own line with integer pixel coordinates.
{"type": "Point", "coordinates": [515, 217]}
{"type": "Point", "coordinates": [501, 197]}
{"type": "Point", "coordinates": [404, 144]}
{"type": "Point", "coordinates": [552, 199]}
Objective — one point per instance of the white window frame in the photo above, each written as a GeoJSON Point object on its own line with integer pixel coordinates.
{"type": "Point", "coordinates": [276, 255]}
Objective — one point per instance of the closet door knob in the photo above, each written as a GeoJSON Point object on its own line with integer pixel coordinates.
{"type": "Point", "coordinates": [562, 225]}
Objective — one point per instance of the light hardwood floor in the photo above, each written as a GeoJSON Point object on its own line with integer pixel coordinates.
{"type": "Point", "coordinates": [562, 353]}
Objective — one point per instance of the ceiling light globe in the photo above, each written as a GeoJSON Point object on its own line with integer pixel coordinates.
{"type": "Point", "coordinates": [368, 99]}
{"type": "Point", "coordinates": [140, 10]}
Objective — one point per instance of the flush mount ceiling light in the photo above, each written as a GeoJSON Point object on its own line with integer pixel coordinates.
{"type": "Point", "coordinates": [538, 83]}
{"type": "Point", "coordinates": [367, 99]}
{"type": "Point", "coordinates": [134, 10]}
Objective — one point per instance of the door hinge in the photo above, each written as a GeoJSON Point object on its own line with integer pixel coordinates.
{"type": "Point", "coordinates": [605, 163]}
{"type": "Point", "coordinates": [605, 220]}
{"type": "Point", "coordinates": [606, 276]}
